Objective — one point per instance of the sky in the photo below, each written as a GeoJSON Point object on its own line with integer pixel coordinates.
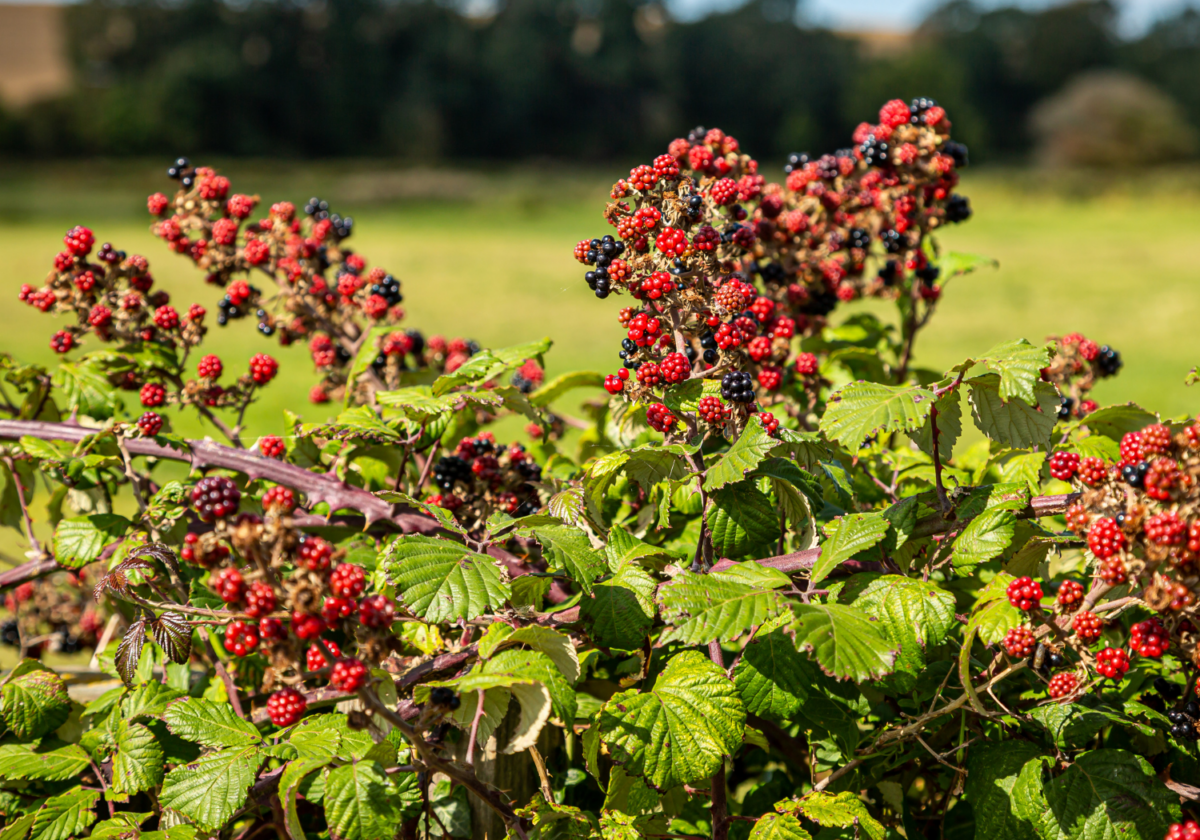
{"type": "Point", "coordinates": [1136, 15]}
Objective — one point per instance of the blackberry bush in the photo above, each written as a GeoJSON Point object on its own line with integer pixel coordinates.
{"type": "Point", "coordinates": [657, 617]}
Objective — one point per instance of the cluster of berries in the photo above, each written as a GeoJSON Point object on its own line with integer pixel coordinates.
{"type": "Point", "coordinates": [482, 477]}
{"type": "Point", "coordinates": [110, 295]}
{"type": "Point", "coordinates": [55, 613]}
{"type": "Point", "coordinates": [1140, 519]}
{"type": "Point", "coordinates": [1077, 364]}
{"type": "Point", "coordinates": [728, 269]}
{"type": "Point", "coordinates": [295, 597]}
{"type": "Point", "coordinates": [323, 291]}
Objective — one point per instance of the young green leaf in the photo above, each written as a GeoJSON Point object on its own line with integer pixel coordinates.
{"type": "Point", "coordinates": [778, 827]}
{"type": "Point", "coordinates": [864, 409]}
{"type": "Point", "coordinates": [679, 731]}
{"type": "Point", "coordinates": [747, 452]}
{"type": "Point", "coordinates": [844, 642]}
{"type": "Point", "coordinates": [440, 580]}
{"type": "Point", "coordinates": [916, 615]}
{"type": "Point", "coordinates": [66, 816]}
{"type": "Point", "coordinates": [79, 541]}
{"type": "Point", "coordinates": [840, 810]}
{"type": "Point", "coordinates": [699, 609]}
{"type": "Point", "coordinates": [208, 723]}
{"type": "Point", "coordinates": [138, 762]}
{"type": "Point", "coordinates": [985, 537]}
{"type": "Point", "coordinates": [360, 802]}
{"type": "Point", "coordinates": [570, 549]}
{"type": "Point", "coordinates": [1015, 422]}
{"type": "Point", "coordinates": [212, 789]}
{"type": "Point", "coordinates": [845, 537]}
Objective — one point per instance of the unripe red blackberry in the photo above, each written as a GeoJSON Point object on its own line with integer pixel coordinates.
{"type": "Point", "coordinates": [1087, 626]}
{"type": "Point", "coordinates": [215, 497]}
{"type": "Point", "coordinates": [1113, 572]}
{"type": "Point", "coordinates": [315, 553]}
{"type": "Point", "coordinates": [770, 378]}
{"type": "Point", "coordinates": [100, 316]}
{"type": "Point", "coordinates": [241, 638]}
{"type": "Point", "coordinates": [1064, 465]}
{"type": "Point", "coordinates": [279, 499]}
{"type": "Point", "coordinates": [1092, 471]}
{"type": "Point", "coordinates": [712, 410]}
{"type": "Point", "coordinates": [157, 203]}
{"type": "Point", "coordinates": [335, 609]}
{"type": "Point", "coordinates": [1149, 638]}
{"type": "Point", "coordinates": [228, 584]}
{"type": "Point", "coordinates": [272, 446]}
{"type": "Point", "coordinates": [271, 630]}
{"type": "Point", "coordinates": [166, 318]}
{"type": "Point", "coordinates": [210, 367]}
{"type": "Point", "coordinates": [79, 241]}
{"type": "Point", "coordinates": [769, 423]}
{"type": "Point", "coordinates": [286, 707]}
{"type": "Point", "coordinates": [1019, 642]}
{"type": "Point", "coordinates": [1165, 528]}
{"type": "Point", "coordinates": [660, 418]}
{"type": "Point", "coordinates": [1077, 518]}
{"type": "Point", "coordinates": [376, 611]}
{"type": "Point", "coordinates": [1105, 537]}
{"type": "Point", "coordinates": [1024, 593]}
{"type": "Point", "coordinates": [1112, 663]}
{"type": "Point", "coordinates": [150, 424]}
{"type": "Point", "coordinates": [1156, 440]}
{"type": "Point", "coordinates": [724, 191]}
{"type": "Point", "coordinates": [1187, 830]}
{"type": "Point", "coordinates": [263, 368]}
{"type": "Point", "coordinates": [257, 251]}
{"type": "Point", "coordinates": [675, 368]}
{"type": "Point", "coordinates": [807, 364]}
{"type": "Point", "coordinates": [348, 580]}
{"type": "Point", "coordinates": [672, 242]}
{"type": "Point", "coordinates": [1162, 479]}
{"type": "Point", "coordinates": [260, 600]}
{"type": "Point", "coordinates": [1070, 596]}
{"type": "Point", "coordinates": [348, 675]}
{"type": "Point", "coordinates": [1062, 685]}
{"type": "Point", "coordinates": [728, 335]}
{"type": "Point", "coordinates": [62, 342]}
{"type": "Point", "coordinates": [1131, 448]}
{"type": "Point", "coordinates": [153, 395]}
{"type": "Point", "coordinates": [614, 384]}
{"type": "Point", "coordinates": [85, 281]}
{"type": "Point", "coordinates": [315, 660]}
{"type": "Point", "coordinates": [306, 625]}
{"type": "Point", "coordinates": [649, 375]}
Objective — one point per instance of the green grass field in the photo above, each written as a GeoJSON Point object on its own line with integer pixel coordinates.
{"type": "Point", "coordinates": [486, 254]}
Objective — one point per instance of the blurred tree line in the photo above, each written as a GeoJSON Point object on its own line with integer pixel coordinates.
{"type": "Point", "coordinates": [577, 79]}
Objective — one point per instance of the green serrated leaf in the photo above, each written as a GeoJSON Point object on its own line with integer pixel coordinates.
{"type": "Point", "coordinates": [949, 423]}
{"type": "Point", "coordinates": [1115, 421]}
{"type": "Point", "coordinates": [771, 676]}
{"type": "Point", "coordinates": [570, 549]}
{"type": "Point", "coordinates": [864, 409]}
{"type": "Point", "coordinates": [916, 615]}
{"type": "Point", "coordinates": [213, 788]}
{"type": "Point", "coordinates": [34, 701]}
{"type": "Point", "coordinates": [1014, 423]}
{"type": "Point", "coordinates": [138, 762]}
{"type": "Point", "coordinates": [440, 580]}
{"type": "Point", "coordinates": [845, 537]}
{"type": "Point", "coordinates": [747, 452]}
{"type": "Point", "coordinates": [360, 803]}
{"type": "Point", "coordinates": [80, 540]}
{"type": "Point", "coordinates": [985, 537]}
{"type": "Point", "coordinates": [1019, 365]}
{"type": "Point", "coordinates": [778, 827]}
{"type": "Point", "coordinates": [699, 609]}
{"type": "Point", "coordinates": [679, 731]}
{"type": "Point", "coordinates": [52, 764]}
{"type": "Point", "coordinates": [992, 772]}
{"type": "Point", "coordinates": [742, 519]}
{"type": "Point", "coordinates": [620, 611]}
{"type": "Point", "coordinates": [1106, 793]}
{"type": "Point", "coordinates": [840, 810]}
{"type": "Point", "coordinates": [844, 641]}
{"type": "Point", "coordinates": [66, 816]}
{"type": "Point", "coordinates": [208, 723]}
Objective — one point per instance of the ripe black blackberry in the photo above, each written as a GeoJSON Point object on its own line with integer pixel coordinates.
{"type": "Point", "coordinates": [918, 107]}
{"type": "Point", "coordinates": [215, 497]}
{"type": "Point", "coordinates": [175, 171]}
{"type": "Point", "coordinates": [772, 273]}
{"type": "Point", "coordinates": [1168, 690]}
{"type": "Point", "coordinates": [1109, 361]}
{"type": "Point", "coordinates": [889, 272]}
{"type": "Point", "coordinates": [522, 384]}
{"type": "Point", "coordinates": [1135, 474]}
{"type": "Point", "coordinates": [893, 241]}
{"type": "Point", "coordinates": [711, 356]}
{"type": "Point", "coordinates": [859, 238]}
{"type": "Point", "coordinates": [1064, 408]}
{"type": "Point", "coordinates": [875, 152]}
{"type": "Point", "coordinates": [958, 151]}
{"type": "Point", "coordinates": [10, 634]}
{"type": "Point", "coordinates": [737, 386]}
{"type": "Point", "coordinates": [929, 274]}
{"type": "Point", "coordinates": [317, 208]}
{"type": "Point", "coordinates": [820, 302]}
{"type": "Point", "coordinates": [389, 290]}
{"type": "Point", "coordinates": [958, 209]}
{"type": "Point", "coordinates": [795, 160]}
{"type": "Point", "coordinates": [696, 135]}
{"type": "Point", "coordinates": [695, 205]}
{"type": "Point", "coordinates": [449, 469]}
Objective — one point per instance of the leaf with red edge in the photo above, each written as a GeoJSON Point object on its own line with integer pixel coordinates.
{"type": "Point", "coordinates": [130, 651]}
{"type": "Point", "coordinates": [173, 634]}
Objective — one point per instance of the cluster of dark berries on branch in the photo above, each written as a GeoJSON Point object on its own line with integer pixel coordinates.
{"type": "Point", "coordinates": [314, 287]}
{"type": "Point", "coordinates": [55, 614]}
{"type": "Point", "coordinates": [727, 269]}
{"type": "Point", "coordinates": [481, 477]}
{"type": "Point", "coordinates": [1077, 364]}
